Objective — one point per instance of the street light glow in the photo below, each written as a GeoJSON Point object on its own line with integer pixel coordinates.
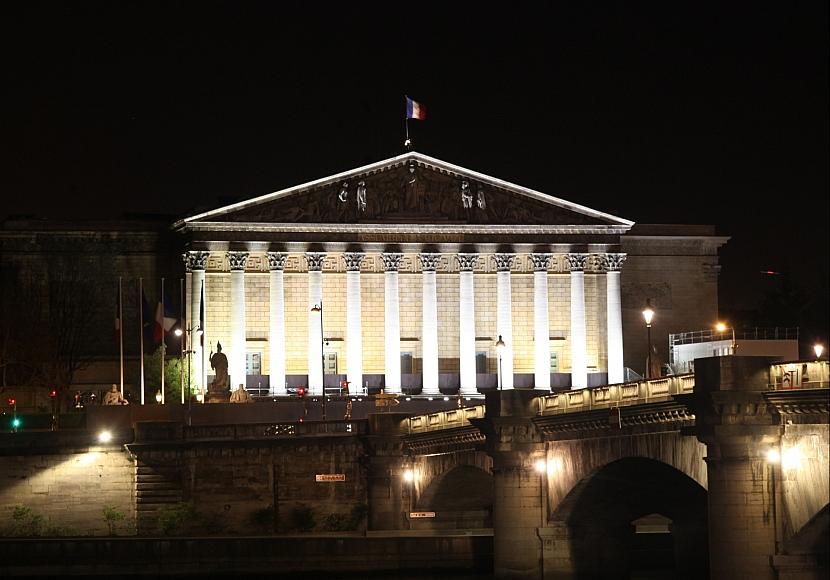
{"type": "Point", "coordinates": [720, 327]}
{"type": "Point", "coordinates": [773, 456]}
{"type": "Point", "coordinates": [104, 437]}
{"type": "Point", "coordinates": [540, 465]}
{"type": "Point", "coordinates": [178, 332]}
{"type": "Point", "coordinates": [648, 313]}
{"type": "Point", "coordinates": [818, 348]}
{"type": "Point", "coordinates": [408, 475]}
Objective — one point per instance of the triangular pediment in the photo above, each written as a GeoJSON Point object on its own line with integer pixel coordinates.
{"type": "Point", "coordinates": [409, 189]}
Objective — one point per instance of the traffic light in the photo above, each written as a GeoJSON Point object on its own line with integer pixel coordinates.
{"type": "Point", "coordinates": [16, 422]}
{"type": "Point", "coordinates": [53, 393]}
{"type": "Point", "coordinates": [12, 402]}
{"type": "Point", "coordinates": [301, 392]}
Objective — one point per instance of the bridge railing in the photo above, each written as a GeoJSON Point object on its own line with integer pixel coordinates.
{"type": "Point", "coordinates": [799, 375]}
{"type": "Point", "coordinates": [273, 430]}
{"type": "Point", "coordinates": [449, 419]}
{"type": "Point", "coordinates": [624, 394]}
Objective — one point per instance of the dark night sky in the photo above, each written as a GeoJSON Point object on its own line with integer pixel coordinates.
{"type": "Point", "coordinates": [655, 111]}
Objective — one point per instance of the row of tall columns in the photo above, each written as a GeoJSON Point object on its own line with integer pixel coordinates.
{"type": "Point", "coordinates": [610, 263]}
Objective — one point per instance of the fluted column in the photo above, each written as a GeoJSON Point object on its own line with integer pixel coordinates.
{"type": "Point", "coordinates": [315, 336]}
{"type": "Point", "coordinates": [276, 325]}
{"type": "Point", "coordinates": [541, 321]}
{"type": "Point", "coordinates": [579, 355]}
{"type": "Point", "coordinates": [467, 322]}
{"type": "Point", "coordinates": [504, 316]}
{"type": "Point", "coordinates": [354, 332]}
{"type": "Point", "coordinates": [392, 323]}
{"type": "Point", "coordinates": [429, 327]}
{"type": "Point", "coordinates": [238, 347]}
{"type": "Point", "coordinates": [612, 263]}
{"type": "Point", "coordinates": [196, 262]}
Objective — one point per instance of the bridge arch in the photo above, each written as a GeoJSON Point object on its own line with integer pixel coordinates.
{"type": "Point", "coordinates": [600, 517]}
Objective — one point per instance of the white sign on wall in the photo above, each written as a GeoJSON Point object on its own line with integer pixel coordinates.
{"type": "Point", "coordinates": [421, 514]}
{"type": "Point", "coordinates": [330, 477]}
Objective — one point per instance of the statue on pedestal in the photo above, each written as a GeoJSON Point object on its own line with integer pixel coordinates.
{"type": "Point", "coordinates": [240, 395]}
{"type": "Point", "coordinates": [219, 389]}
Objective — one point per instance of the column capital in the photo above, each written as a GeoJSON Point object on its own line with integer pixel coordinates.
{"type": "Point", "coordinates": [541, 262]}
{"type": "Point", "coordinates": [466, 262]}
{"type": "Point", "coordinates": [195, 260]}
{"type": "Point", "coordinates": [576, 262]}
{"type": "Point", "coordinates": [276, 261]}
{"type": "Point", "coordinates": [353, 260]}
{"type": "Point", "coordinates": [391, 261]}
{"type": "Point", "coordinates": [611, 262]}
{"type": "Point", "coordinates": [504, 261]}
{"type": "Point", "coordinates": [429, 262]}
{"type": "Point", "coordinates": [237, 260]}
{"type": "Point", "coordinates": [315, 261]}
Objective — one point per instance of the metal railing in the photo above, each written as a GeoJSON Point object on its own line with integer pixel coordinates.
{"type": "Point", "coordinates": [755, 333]}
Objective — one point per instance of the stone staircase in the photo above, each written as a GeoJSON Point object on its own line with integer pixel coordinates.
{"type": "Point", "coordinates": [156, 487]}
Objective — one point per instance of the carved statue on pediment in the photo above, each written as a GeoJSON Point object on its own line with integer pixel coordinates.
{"type": "Point", "coordinates": [361, 196]}
{"type": "Point", "coordinates": [482, 204]}
{"type": "Point", "coordinates": [343, 196]}
{"type": "Point", "coordinates": [466, 195]}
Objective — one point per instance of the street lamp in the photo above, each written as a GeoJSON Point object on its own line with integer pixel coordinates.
{"type": "Point", "coordinates": [319, 308]}
{"type": "Point", "coordinates": [721, 327]}
{"type": "Point", "coordinates": [818, 348]}
{"type": "Point", "coordinates": [648, 315]}
{"type": "Point", "coordinates": [499, 350]}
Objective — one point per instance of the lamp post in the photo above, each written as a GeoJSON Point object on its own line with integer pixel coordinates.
{"type": "Point", "coordinates": [319, 308]}
{"type": "Point", "coordinates": [818, 348]}
{"type": "Point", "coordinates": [648, 315]}
{"type": "Point", "coordinates": [499, 350]}
{"type": "Point", "coordinates": [721, 327]}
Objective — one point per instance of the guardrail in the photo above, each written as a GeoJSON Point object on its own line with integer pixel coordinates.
{"type": "Point", "coordinates": [621, 395]}
{"type": "Point", "coordinates": [450, 419]}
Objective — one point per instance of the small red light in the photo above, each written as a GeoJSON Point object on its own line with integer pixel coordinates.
{"type": "Point", "coordinates": [53, 393]}
{"type": "Point", "coordinates": [12, 402]}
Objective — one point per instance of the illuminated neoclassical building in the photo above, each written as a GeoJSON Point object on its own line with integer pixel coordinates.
{"type": "Point", "coordinates": [419, 266]}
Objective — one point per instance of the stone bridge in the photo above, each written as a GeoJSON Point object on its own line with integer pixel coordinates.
{"type": "Point", "coordinates": [640, 478]}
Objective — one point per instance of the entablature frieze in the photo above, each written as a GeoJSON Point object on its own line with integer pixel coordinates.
{"type": "Point", "coordinates": [374, 262]}
{"type": "Point", "coordinates": [645, 418]}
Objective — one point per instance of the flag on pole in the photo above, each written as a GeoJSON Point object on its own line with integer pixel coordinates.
{"type": "Point", "coordinates": [415, 110]}
{"type": "Point", "coordinates": [165, 322]}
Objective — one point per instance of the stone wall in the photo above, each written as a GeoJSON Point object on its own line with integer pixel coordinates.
{"type": "Point", "coordinates": [69, 489]}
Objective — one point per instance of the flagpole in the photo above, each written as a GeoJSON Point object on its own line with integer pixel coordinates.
{"type": "Point", "coordinates": [121, 334]}
{"type": "Point", "coordinates": [407, 143]}
{"type": "Point", "coordinates": [141, 332]}
{"type": "Point", "coordinates": [162, 340]}
{"type": "Point", "coordinates": [202, 324]}
{"type": "Point", "coordinates": [183, 337]}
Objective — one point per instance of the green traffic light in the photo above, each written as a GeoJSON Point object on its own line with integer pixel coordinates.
{"type": "Point", "coordinates": [15, 422]}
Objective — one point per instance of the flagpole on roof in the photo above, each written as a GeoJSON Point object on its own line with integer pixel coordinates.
{"type": "Point", "coordinates": [162, 340]}
{"type": "Point", "coordinates": [141, 332]}
{"type": "Point", "coordinates": [121, 335]}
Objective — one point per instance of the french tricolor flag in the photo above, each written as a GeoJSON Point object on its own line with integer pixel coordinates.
{"type": "Point", "coordinates": [415, 110]}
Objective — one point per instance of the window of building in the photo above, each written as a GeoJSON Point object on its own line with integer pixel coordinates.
{"type": "Point", "coordinates": [554, 362]}
{"type": "Point", "coordinates": [330, 366]}
{"type": "Point", "coordinates": [253, 363]}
